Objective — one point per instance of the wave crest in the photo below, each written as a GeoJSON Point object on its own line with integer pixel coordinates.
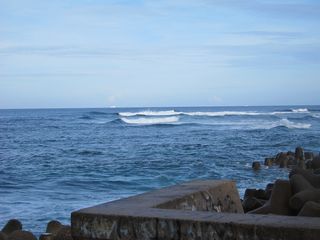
{"type": "Point", "coordinates": [210, 114]}
{"type": "Point", "coordinates": [288, 124]}
{"type": "Point", "coordinates": [300, 110]}
{"type": "Point", "coordinates": [149, 113]}
{"type": "Point", "coordinates": [221, 114]}
{"type": "Point", "coordinates": [150, 121]}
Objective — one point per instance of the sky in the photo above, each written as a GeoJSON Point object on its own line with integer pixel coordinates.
{"type": "Point", "coordinates": [134, 53]}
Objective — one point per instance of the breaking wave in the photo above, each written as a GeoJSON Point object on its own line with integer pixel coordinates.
{"type": "Point", "coordinates": [210, 114]}
{"type": "Point", "coordinates": [246, 125]}
{"type": "Point", "coordinates": [255, 125]}
{"type": "Point", "coordinates": [149, 113]}
{"type": "Point", "coordinates": [150, 121]}
{"type": "Point", "coordinates": [300, 110]}
{"type": "Point", "coordinates": [221, 114]}
{"type": "Point", "coordinates": [289, 124]}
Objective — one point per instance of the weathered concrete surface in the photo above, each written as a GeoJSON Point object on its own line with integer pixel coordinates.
{"type": "Point", "coordinates": [217, 196]}
{"type": "Point", "coordinates": [194, 210]}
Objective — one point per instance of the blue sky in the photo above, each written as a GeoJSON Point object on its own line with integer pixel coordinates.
{"type": "Point", "coordinates": [81, 53]}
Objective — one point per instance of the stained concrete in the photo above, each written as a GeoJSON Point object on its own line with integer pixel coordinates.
{"type": "Point", "coordinates": [194, 210]}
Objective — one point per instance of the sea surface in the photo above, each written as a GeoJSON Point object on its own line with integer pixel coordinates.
{"type": "Point", "coordinates": [55, 161]}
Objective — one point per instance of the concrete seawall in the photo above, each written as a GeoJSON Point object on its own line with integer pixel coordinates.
{"type": "Point", "coordinates": [194, 210]}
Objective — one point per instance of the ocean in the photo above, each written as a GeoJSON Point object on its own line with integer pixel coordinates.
{"type": "Point", "coordinates": [55, 161]}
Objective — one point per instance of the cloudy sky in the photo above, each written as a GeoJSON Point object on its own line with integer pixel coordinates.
{"type": "Point", "coordinates": [100, 53]}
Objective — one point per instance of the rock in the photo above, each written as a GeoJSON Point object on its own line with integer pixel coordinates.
{"type": "Point", "coordinates": [310, 209]}
{"type": "Point", "coordinates": [301, 164]}
{"type": "Point", "coordinates": [303, 189]}
{"type": "Point", "coordinates": [308, 164]}
{"type": "Point", "coordinates": [280, 156]}
{"type": "Point", "coordinates": [256, 165]}
{"type": "Point", "coordinates": [299, 199]}
{"type": "Point", "coordinates": [53, 226]}
{"type": "Point", "coordinates": [279, 200]}
{"type": "Point", "coordinates": [57, 231]}
{"type": "Point", "coordinates": [46, 236]}
{"type": "Point", "coordinates": [268, 161]}
{"type": "Point", "coordinates": [268, 190]}
{"type": "Point", "coordinates": [21, 235]}
{"type": "Point", "coordinates": [299, 183]}
{"type": "Point", "coordinates": [257, 193]}
{"type": "Point", "coordinates": [261, 194]}
{"type": "Point", "coordinates": [316, 162]}
{"type": "Point", "coordinates": [290, 154]}
{"type": "Point", "coordinates": [3, 236]}
{"type": "Point", "coordinates": [299, 153]}
{"type": "Point", "coordinates": [291, 161]}
{"type": "Point", "coordinates": [316, 171]}
{"type": "Point", "coordinates": [251, 203]}
{"type": "Point", "coordinates": [269, 186]}
{"type": "Point", "coordinates": [283, 163]}
{"type": "Point", "coordinates": [249, 193]}
{"type": "Point", "coordinates": [11, 226]}
{"type": "Point", "coordinates": [64, 233]}
{"type": "Point", "coordinates": [308, 155]}
{"type": "Point", "coordinates": [313, 179]}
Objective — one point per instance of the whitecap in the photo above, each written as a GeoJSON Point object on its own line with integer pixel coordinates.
{"type": "Point", "coordinates": [279, 113]}
{"type": "Point", "coordinates": [149, 113]}
{"type": "Point", "coordinates": [150, 121]}
{"type": "Point", "coordinates": [300, 110]}
{"type": "Point", "coordinates": [221, 114]}
{"type": "Point", "coordinates": [289, 124]}
{"type": "Point", "coordinates": [209, 114]}
{"type": "Point", "coordinates": [270, 124]}
{"type": "Point", "coordinates": [247, 165]}
{"type": "Point", "coordinates": [233, 113]}
{"type": "Point", "coordinates": [245, 113]}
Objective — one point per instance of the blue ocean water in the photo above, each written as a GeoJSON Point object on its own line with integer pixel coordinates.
{"type": "Point", "coordinates": [55, 161]}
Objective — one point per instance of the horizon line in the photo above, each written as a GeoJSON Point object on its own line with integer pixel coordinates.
{"type": "Point", "coordinates": [115, 107]}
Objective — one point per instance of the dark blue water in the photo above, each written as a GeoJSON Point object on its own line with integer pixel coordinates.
{"type": "Point", "coordinates": [56, 161]}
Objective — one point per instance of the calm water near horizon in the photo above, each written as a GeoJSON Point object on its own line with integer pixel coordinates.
{"type": "Point", "coordinates": [55, 161]}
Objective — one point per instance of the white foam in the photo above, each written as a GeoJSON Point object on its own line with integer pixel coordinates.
{"type": "Point", "coordinates": [300, 110]}
{"type": "Point", "coordinates": [149, 113]}
{"type": "Point", "coordinates": [290, 124]}
{"type": "Point", "coordinates": [286, 123]}
{"type": "Point", "coordinates": [278, 113]}
{"type": "Point", "coordinates": [316, 115]}
{"type": "Point", "coordinates": [238, 113]}
{"type": "Point", "coordinates": [209, 114]}
{"type": "Point", "coordinates": [150, 121]}
{"type": "Point", "coordinates": [268, 124]}
{"type": "Point", "coordinates": [221, 114]}
{"type": "Point", "coordinates": [173, 113]}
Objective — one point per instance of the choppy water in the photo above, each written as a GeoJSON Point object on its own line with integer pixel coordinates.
{"type": "Point", "coordinates": [55, 161]}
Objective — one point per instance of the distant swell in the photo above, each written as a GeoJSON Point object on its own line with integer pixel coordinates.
{"type": "Point", "coordinates": [98, 113]}
{"type": "Point", "coordinates": [90, 152]}
{"type": "Point", "coordinates": [150, 121]}
{"type": "Point", "coordinates": [86, 117]}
